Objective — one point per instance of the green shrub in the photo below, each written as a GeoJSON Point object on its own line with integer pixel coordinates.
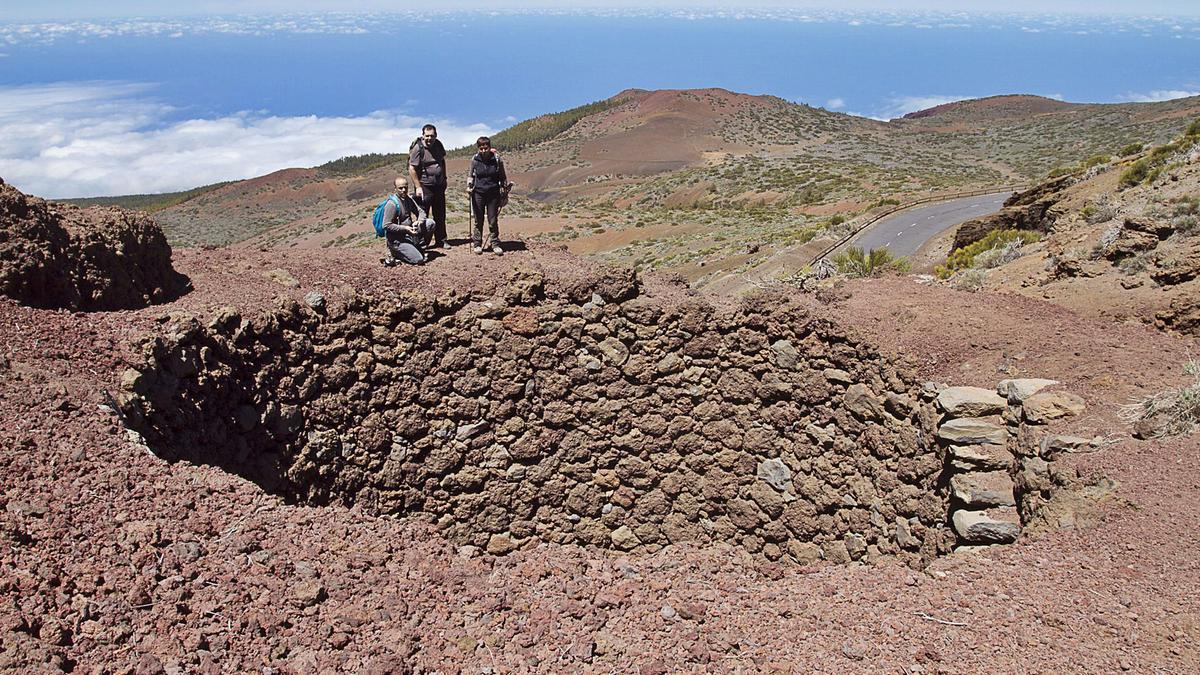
{"type": "Point", "coordinates": [1136, 173]}
{"type": "Point", "coordinates": [1193, 129]}
{"type": "Point", "coordinates": [855, 262]}
{"type": "Point", "coordinates": [1131, 149]}
{"type": "Point", "coordinates": [964, 258]}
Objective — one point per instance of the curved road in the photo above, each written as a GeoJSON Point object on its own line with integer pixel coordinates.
{"type": "Point", "coordinates": [903, 233]}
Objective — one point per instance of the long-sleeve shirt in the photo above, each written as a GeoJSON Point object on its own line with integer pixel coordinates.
{"type": "Point", "coordinates": [487, 173]}
{"type": "Point", "coordinates": [400, 220]}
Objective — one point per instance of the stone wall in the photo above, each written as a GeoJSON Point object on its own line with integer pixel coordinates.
{"type": "Point", "coordinates": [1001, 461]}
{"type": "Point", "coordinates": [54, 255]}
{"type": "Point", "coordinates": [572, 413]}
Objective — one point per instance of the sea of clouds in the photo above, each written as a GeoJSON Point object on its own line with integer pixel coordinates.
{"type": "Point", "coordinates": [81, 139]}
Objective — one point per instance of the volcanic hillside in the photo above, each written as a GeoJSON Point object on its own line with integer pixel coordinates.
{"type": "Point", "coordinates": [1115, 236]}
{"type": "Point", "coordinates": [658, 179]}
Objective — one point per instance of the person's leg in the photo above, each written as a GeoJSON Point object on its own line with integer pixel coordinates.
{"type": "Point", "coordinates": [394, 241]}
{"type": "Point", "coordinates": [478, 204]}
{"type": "Point", "coordinates": [439, 214]}
{"type": "Point", "coordinates": [408, 254]}
{"type": "Point", "coordinates": [493, 215]}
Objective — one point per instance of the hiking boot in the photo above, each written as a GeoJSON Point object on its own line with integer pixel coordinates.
{"type": "Point", "coordinates": [497, 250]}
{"type": "Point", "coordinates": [477, 250]}
{"type": "Point", "coordinates": [388, 262]}
{"type": "Point", "coordinates": [444, 244]}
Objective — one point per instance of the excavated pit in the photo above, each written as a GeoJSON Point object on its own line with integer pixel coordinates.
{"type": "Point", "coordinates": [577, 413]}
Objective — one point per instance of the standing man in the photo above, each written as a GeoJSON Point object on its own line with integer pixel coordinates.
{"type": "Point", "coordinates": [427, 168]}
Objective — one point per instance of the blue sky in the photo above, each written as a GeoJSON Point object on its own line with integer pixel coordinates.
{"type": "Point", "coordinates": [60, 9]}
{"type": "Point", "coordinates": [94, 106]}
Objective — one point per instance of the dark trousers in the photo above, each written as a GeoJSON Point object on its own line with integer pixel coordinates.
{"type": "Point", "coordinates": [433, 200]}
{"type": "Point", "coordinates": [485, 203]}
{"type": "Point", "coordinates": [405, 247]}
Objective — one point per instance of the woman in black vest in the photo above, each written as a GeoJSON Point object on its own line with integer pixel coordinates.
{"type": "Point", "coordinates": [486, 184]}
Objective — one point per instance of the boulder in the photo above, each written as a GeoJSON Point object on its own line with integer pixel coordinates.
{"type": "Point", "coordinates": [969, 402]}
{"type": "Point", "coordinates": [986, 489]}
{"type": "Point", "coordinates": [972, 431]}
{"type": "Point", "coordinates": [980, 527]}
{"type": "Point", "coordinates": [1044, 407]}
{"type": "Point", "coordinates": [1018, 390]}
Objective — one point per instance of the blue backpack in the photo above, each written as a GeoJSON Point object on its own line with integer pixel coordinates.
{"type": "Point", "coordinates": [377, 217]}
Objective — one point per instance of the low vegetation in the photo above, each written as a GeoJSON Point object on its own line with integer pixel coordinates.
{"type": "Point", "coordinates": [1160, 159]}
{"type": "Point", "coordinates": [995, 249]}
{"type": "Point", "coordinates": [356, 165]}
{"type": "Point", "coordinates": [855, 262]}
{"type": "Point", "coordinates": [1173, 412]}
{"type": "Point", "coordinates": [149, 202]}
{"type": "Point", "coordinates": [543, 128]}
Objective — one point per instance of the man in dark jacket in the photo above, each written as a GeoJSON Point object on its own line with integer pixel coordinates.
{"type": "Point", "coordinates": [487, 183]}
{"type": "Point", "coordinates": [427, 168]}
{"type": "Point", "coordinates": [406, 228]}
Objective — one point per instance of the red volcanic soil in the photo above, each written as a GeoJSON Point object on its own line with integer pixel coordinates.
{"type": "Point", "coordinates": [116, 561]}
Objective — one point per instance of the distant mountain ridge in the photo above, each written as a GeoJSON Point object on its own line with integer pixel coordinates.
{"type": "Point", "coordinates": [670, 152]}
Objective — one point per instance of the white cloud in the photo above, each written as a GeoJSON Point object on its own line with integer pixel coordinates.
{"type": "Point", "coordinates": [899, 106]}
{"type": "Point", "coordinates": [835, 103]}
{"type": "Point", "coordinates": [1158, 95]}
{"type": "Point", "coordinates": [82, 139]}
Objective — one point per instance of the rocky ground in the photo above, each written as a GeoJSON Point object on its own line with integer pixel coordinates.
{"type": "Point", "coordinates": [1109, 249]}
{"type": "Point", "coordinates": [117, 561]}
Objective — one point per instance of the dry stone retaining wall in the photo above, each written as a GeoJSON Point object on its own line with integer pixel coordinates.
{"type": "Point", "coordinates": [575, 413]}
{"type": "Point", "coordinates": [53, 255]}
{"type": "Point", "coordinates": [1000, 461]}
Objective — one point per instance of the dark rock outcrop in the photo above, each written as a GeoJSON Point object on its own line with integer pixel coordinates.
{"type": "Point", "coordinates": [1028, 210]}
{"type": "Point", "coordinates": [54, 256]}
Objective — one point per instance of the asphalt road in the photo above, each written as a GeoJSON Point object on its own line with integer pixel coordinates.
{"type": "Point", "coordinates": [904, 232]}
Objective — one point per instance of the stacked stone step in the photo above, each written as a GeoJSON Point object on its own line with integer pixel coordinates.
{"type": "Point", "coordinates": [989, 438]}
{"type": "Point", "coordinates": [980, 463]}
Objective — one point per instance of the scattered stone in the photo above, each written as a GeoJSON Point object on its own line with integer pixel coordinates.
{"type": "Point", "coordinates": [972, 431]}
{"type": "Point", "coordinates": [1016, 391]}
{"type": "Point", "coordinates": [978, 527]}
{"type": "Point", "coordinates": [308, 593]}
{"type": "Point", "coordinates": [970, 402]}
{"type": "Point", "coordinates": [315, 300]}
{"type": "Point", "coordinates": [1045, 407]}
{"type": "Point", "coordinates": [993, 488]}
{"type": "Point", "coordinates": [668, 612]}
{"type": "Point", "coordinates": [776, 474]}
{"type": "Point", "coordinates": [282, 277]}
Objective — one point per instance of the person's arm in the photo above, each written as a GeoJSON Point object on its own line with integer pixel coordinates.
{"type": "Point", "coordinates": [412, 173]}
{"type": "Point", "coordinates": [503, 174]}
{"type": "Point", "coordinates": [471, 177]}
{"type": "Point", "coordinates": [390, 222]}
